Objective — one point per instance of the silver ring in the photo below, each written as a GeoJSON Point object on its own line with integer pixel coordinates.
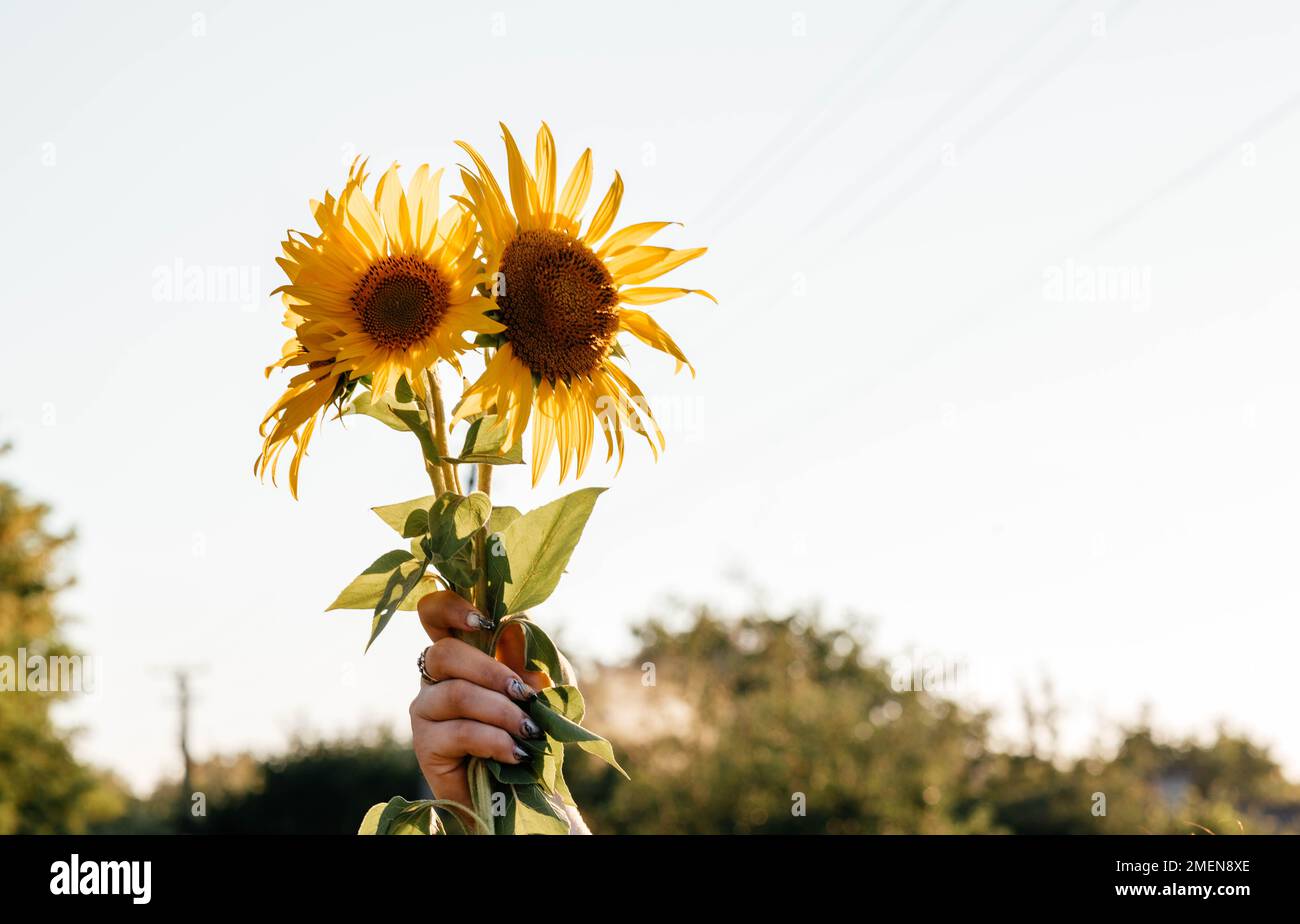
{"type": "Point", "coordinates": [419, 662]}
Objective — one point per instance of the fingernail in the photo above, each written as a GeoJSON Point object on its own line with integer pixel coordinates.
{"type": "Point", "coordinates": [530, 729]}
{"type": "Point", "coordinates": [520, 690]}
{"type": "Point", "coordinates": [477, 620]}
{"type": "Point", "coordinates": [520, 754]}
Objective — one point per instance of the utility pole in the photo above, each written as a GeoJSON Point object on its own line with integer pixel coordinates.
{"type": "Point", "coordinates": [185, 822]}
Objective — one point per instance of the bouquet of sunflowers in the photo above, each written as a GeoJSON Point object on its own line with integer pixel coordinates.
{"type": "Point", "coordinates": [391, 286]}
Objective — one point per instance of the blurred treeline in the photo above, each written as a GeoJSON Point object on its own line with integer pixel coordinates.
{"type": "Point", "coordinates": [725, 721]}
{"type": "Point", "coordinates": [747, 723]}
{"type": "Point", "coordinates": [43, 788]}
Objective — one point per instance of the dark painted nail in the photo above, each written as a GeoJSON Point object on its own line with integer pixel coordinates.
{"type": "Point", "coordinates": [520, 754]}
{"type": "Point", "coordinates": [477, 620]}
{"type": "Point", "coordinates": [520, 690]}
{"type": "Point", "coordinates": [530, 729]}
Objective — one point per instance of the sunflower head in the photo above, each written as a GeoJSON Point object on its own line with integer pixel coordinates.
{"type": "Point", "coordinates": [563, 295]}
{"type": "Point", "coordinates": [385, 288]}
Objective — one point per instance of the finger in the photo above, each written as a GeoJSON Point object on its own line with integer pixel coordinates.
{"type": "Point", "coordinates": [451, 659]}
{"type": "Point", "coordinates": [467, 738]}
{"type": "Point", "coordinates": [460, 699]}
{"type": "Point", "coordinates": [512, 652]}
{"type": "Point", "coordinates": [444, 611]}
{"type": "Point", "coordinates": [447, 781]}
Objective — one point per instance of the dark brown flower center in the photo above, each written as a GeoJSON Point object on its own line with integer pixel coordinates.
{"type": "Point", "coordinates": [558, 303]}
{"type": "Point", "coordinates": [400, 301]}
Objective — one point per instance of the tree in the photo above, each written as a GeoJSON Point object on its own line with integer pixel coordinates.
{"type": "Point", "coordinates": [792, 728]}
{"type": "Point", "coordinates": [43, 789]}
{"type": "Point", "coordinates": [781, 725]}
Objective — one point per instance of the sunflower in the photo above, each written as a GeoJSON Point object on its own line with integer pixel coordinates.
{"type": "Point", "coordinates": [386, 289]}
{"type": "Point", "coordinates": [564, 295]}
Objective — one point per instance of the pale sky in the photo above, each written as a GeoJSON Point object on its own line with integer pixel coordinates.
{"type": "Point", "coordinates": [1005, 354]}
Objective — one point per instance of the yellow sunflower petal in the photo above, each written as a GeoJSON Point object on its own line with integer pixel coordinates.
{"type": "Point", "coordinates": [631, 236]}
{"type": "Point", "coordinates": [653, 295]}
{"type": "Point", "coordinates": [545, 164]}
{"type": "Point", "coordinates": [670, 260]}
{"type": "Point", "coordinates": [647, 330]}
{"type": "Point", "coordinates": [576, 189]}
{"type": "Point", "coordinates": [523, 189]}
{"type": "Point", "coordinates": [606, 212]}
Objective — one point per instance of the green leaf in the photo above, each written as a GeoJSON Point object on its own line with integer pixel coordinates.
{"type": "Point", "coordinates": [369, 587]}
{"type": "Point", "coordinates": [535, 814]}
{"type": "Point", "coordinates": [538, 545]}
{"type": "Point", "coordinates": [418, 423]}
{"type": "Point", "coordinates": [459, 570]}
{"type": "Point", "coordinates": [454, 519]}
{"type": "Point", "coordinates": [498, 574]}
{"type": "Point", "coordinates": [370, 824]}
{"type": "Point", "coordinates": [366, 404]}
{"type": "Point", "coordinates": [556, 782]}
{"type": "Point", "coordinates": [402, 817]}
{"type": "Point", "coordinates": [398, 516]}
{"type": "Point", "coordinates": [566, 699]}
{"type": "Point", "coordinates": [483, 442]}
{"type": "Point", "coordinates": [417, 524]}
{"type": "Point", "coordinates": [569, 732]}
{"type": "Point", "coordinates": [398, 816]}
{"type": "Point", "coordinates": [401, 584]}
{"type": "Point", "coordinates": [501, 518]}
{"type": "Point", "coordinates": [402, 392]}
{"type": "Point", "coordinates": [459, 819]}
{"type": "Point", "coordinates": [511, 774]}
{"type": "Point", "coordinates": [540, 654]}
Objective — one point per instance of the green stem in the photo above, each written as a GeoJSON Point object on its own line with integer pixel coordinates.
{"type": "Point", "coordinates": [438, 426]}
{"type": "Point", "coordinates": [481, 541]}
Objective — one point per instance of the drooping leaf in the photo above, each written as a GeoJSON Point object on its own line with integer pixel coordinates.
{"type": "Point", "coordinates": [415, 421]}
{"type": "Point", "coordinates": [402, 817]}
{"type": "Point", "coordinates": [366, 404]}
{"type": "Point", "coordinates": [399, 588]}
{"type": "Point", "coordinates": [568, 732]}
{"type": "Point", "coordinates": [483, 441]}
{"type": "Point", "coordinates": [556, 782]}
{"type": "Point", "coordinates": [511, 774]}
{"type": "Point", "coordinates": [423, 816]}
{"type": "Point", "coordinates": [538, 546]}
{"type": "Point", "coordinates": [534, 813]}
{"type": "Point", "coordinates": [540, 654]}
{"type": "Point", "coordinates": [369, 587]}
{"type": "Point", "coordinates": [498, 563]}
